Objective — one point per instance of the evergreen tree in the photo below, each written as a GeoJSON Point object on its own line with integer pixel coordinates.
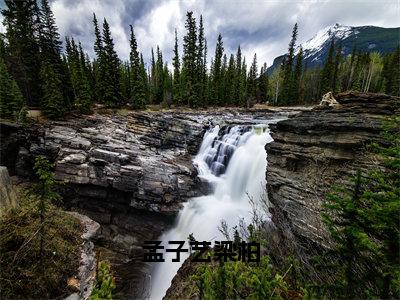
{"type": "Point", "coordinates": [144, 79]}
{"type": "Point", "coordinates": [287, 89]}
{"type": "Point", "coordinates": [138, 93]}
{"type": "Point", "coordinates": [50, 43]}
{"type": "Point", "coordinates": [229, 79]}
{"type": "Point", "coordinates": [328, 70]}
{"type": "Point", "coordinates": [50, 46]}
{"type": "Point", "coordinates": [159, 77]}
{"type": "Point", "coordinates": [263, 83]}
{"type": "Point", "coordinates": [217, 79]}
{"type": "Point", "coordinates": [152, 78]}
{"type": "Point", "coordinates": [297, 78]}
{"type": "Point", "coordinates": [189, 61]}
{"type": "Point", "coordinates": [363, 221]}
{"type": "Point", "coordinates": [391, 73]}
{"type": "Point", "coordinates": [237, 93]}
{"type": "Point", "coordinates": [177, 73]}
{"type": "Point", "coordinates": [79, 80]}
{"type": "Point", "coordinates": [52, 101]}
{"type": "Point", "coordinates": [201, 68]}
{"type": "Point", "coordinates": [22, 31]}
{"type": "Point", "coordinates": [109, 64]}
{"type": "Point", "coordinates": [98, 64]}
{"type": "Point", "coordinates": [338, 59]}
{"type": "Point", "coordinates": [243, 84]}
{"type": "Point", "coordinates": [11, 100]}
{"type": "Point", "coordinates": [252, 83]}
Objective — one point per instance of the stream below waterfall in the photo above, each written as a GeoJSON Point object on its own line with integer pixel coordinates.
{"type": "Point", "coordinates": [233, 161]}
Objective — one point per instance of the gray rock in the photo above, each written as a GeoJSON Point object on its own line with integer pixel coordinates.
{"type": "Point", "coordinates": [87, 266]}
{"type": "Point", "coordinates": [8, 197]}
{"type": "Point", "coordinates": [314, 150]}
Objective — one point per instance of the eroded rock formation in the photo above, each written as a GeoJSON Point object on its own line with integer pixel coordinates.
{"type": "Point", "coordinates": [313, 151]}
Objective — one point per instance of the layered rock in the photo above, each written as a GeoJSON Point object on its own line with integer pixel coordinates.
{"type": "Point", "coordinates": [313, 151]}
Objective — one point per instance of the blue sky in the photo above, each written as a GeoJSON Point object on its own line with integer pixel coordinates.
{"type": "Point", "coordinates": [261, 26]}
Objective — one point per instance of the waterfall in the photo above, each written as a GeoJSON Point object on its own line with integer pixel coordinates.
{"type": "Point", "coordinates": [233, 161]}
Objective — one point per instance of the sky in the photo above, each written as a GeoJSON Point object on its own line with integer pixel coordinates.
{"type": "Point", "coordinates": [259, 26]}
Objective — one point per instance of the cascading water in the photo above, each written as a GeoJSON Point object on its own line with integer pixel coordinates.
{"type": "Point", "coordinates": [234, 162]}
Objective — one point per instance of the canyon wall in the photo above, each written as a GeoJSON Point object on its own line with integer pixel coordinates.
{"type": "Point", "coordinates": [315, 150]}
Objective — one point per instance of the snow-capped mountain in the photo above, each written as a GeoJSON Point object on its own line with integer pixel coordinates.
{"type": "Point", "coordinates": [364, 38]}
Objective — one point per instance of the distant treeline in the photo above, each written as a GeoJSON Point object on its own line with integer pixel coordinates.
{"type": "Point", "coordinates": [35, 71]}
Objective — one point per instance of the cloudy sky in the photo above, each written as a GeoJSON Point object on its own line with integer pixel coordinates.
{"type": "Point", "coordinates": [261, 26]}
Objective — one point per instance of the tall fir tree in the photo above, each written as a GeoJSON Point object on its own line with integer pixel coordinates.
{"type": "Point", "coordinates": [98, 65]}
{"type": "Point", "coordinates": [335, 76]}
{"type": "Point", "coordinates": [263, 83]}
{"type": "Point", "coordinates": [22, 32]}
{"type": "Point", "coordinates": [236, 96]}
{"type": "Point", "coordinates": [138, 93]}
{"type": "Point", "coordinates": [297, 78]}
{"type": "Point", "coordinates": [78, 75]}
{"type": "Point", "coordinates": [53, 101]}
{"type": "Point", "coordinates": [328, 70]}
{"type": "Point", "coordinates": [217, 79]}
{"type": "Point", "coordinates": [50, 46]}
{"type": "Point", "coordinates": [177, 73]}
{"type": "Point", "coordinates": [252, 83]}
{"type": "Point", "coordinates": [109, 64]}
{"type": "Point", "coordinates": [11, 100]}
{"type": "Point", "coordinates": [201, 68]}
{"type": "Point", "coordinates": [287, 89]}
{"type": "Point", "coordinates": [189, 61]}
{"type": "Point", "coordinates": [229, 79]}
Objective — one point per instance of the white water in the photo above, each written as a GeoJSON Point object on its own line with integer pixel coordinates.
{"type": "Point", "coordinates": [243, 176]}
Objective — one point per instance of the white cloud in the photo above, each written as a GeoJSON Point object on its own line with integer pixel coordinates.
{"type": "Point", "coordinates": [259, 26]}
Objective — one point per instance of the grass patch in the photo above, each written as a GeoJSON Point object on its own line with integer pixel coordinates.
{"type": "Point", "coordinates": [24, 274]}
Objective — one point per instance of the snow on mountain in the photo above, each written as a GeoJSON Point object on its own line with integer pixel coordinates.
{"type": "Point", "coordinates": [363, 38]}
{"type": "Point", "coordinates": [324, 36]}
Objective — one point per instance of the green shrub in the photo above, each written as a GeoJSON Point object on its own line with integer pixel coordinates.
{"type": "Point", "coordinates": [105, 284]}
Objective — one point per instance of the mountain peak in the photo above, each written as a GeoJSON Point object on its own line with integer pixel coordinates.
{"type": "Point", "coordinates": [336, 31]}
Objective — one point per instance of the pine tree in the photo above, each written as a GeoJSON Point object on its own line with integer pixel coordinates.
{"type": "Point", "coordinates": [159, 73]}
{"type": "Point", "coordinates": [189, 61]}
{"type": "Point", "coordinates": [297, 78]}
{"type": "Point", "coordinates": [338, 59]}
{"type": "Point", "coordinates": [11, 100]}
{"type": "Point", "coordinates": [243, 84]}
{"type": "Point", "coordinates": [52, 101]}
{"type": "Point", "coordinates": [78, 74]}
{"type": "Point", "coordinates": [237, 94]}
{"type": "Point", "coordinates": [391, 73]}
{"type": "Point", "coordinates": [152, 78]}
{"type": "Point", "coordinates": [22, 31]}
{"type": "Point", "coordinates": [287, 89]}
{"type": "Point", "coordinates": [98, 63]}
{"type": "Point", "coordinates": [201, 70]}
{"type": "Point", "coordinates": [177, 73]}
{"type": "Point", "coordinates": [327, 71]}
{"type": "Point", "coordinates": [50, 43]}
{"type": "Point", "coordinates": [252, 83]}
{"type": "Point", "coordinates": [229, 79]}
{"type": "Point", "coordinates": [109, 64]}
{"type": "Point", "coordinates": [263, 83]}
{"type": "Point", "coordinates": [138, 94]}
{"type": "Point", "coordinates": [50, 46]}
{"type": "Point", "coordinates": [217, 84]}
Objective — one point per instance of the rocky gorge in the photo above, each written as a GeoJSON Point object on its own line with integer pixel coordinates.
{"type": "Point", "coordinates": [132, 172]}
